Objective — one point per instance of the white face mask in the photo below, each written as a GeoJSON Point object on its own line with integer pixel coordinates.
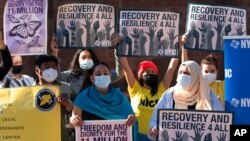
{"type": "Point", "coordinates": [184, 81]}
{"type": "Point", "coordinates": [102, 81]}
{"type": "Point", "coordinates": [86, 64]}
{"type": "Point", "coordinates": [50, 75]}
{"type": "Point", "coordinates": [210, 77]}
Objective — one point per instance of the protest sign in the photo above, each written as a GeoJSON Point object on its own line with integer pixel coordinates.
{"type": "Point", "coordinates": [207, 24]}
{"type": "Point", "coordinates": [85, 25]}
{"type": "Point", "coordinates": [25, 27]}
{"type": "Point", "coordinates": [237, 65]}
{"type": "Point", "coordinates": [104, 130]}
{"type": "Point", "coordinates": [27, 113]}
{"type": "Point", "coordinates": [148, 33]}
{"type": "Point", "coordinates": [193, 125]}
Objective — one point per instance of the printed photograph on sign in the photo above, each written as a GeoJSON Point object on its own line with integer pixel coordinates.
{"type": "Point", "coordinates": [85, 25]}
{"type": "Point", "coordinates": [194, 125]}
{"type": "Point", "coordinates": [207, 24]}
{"type": "Point", "coordinates": [148, 33]}
{"type": "Point", "coordinates": [25, 26]}
{"type": "Point", "coordinates": [104, 130]}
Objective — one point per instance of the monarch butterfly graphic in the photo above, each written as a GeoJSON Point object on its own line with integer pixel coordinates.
{"type": "Point", "coordinates": [13, 19]}
{"type": "Point", "coordinates": [33, 42]}
{"type": "Point", "coordinates": [26, 29]}
{"type": "Point", "coordinates": [23, 17]}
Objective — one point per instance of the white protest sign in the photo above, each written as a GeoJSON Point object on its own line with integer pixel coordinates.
{"type": "Point", "coordinates": [207, 24]}
{"type": "Point", "coordinates": [193, 125]}
{"type": "Point", "coordinates": [85, 25]}
{"type": "Point", "coordinates": [104, 130]}
{"type": "Point", "coordinates": [148, 33]}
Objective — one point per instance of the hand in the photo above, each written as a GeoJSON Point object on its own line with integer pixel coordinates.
{"type": "Point", "coordinates": [2, 46]}
{"type": "Point", "coordinates": [53, 44]}
{"type": "Point", "coordinates": [153, 132]}
{"type": "Point", "coordinates": [75, 121]}
{"type": "Point", "coordinates": [115, 39]}
{"type": "Point", "coordinates": [130, 119]}
{"type": "Point", "coordinates": [63, 101]}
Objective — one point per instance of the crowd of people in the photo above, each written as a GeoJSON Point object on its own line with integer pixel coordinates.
{"type": "Point", "coordinates": [87, 92]}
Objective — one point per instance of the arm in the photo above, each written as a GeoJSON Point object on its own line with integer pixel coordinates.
{"type": "Point", "coordinates": [118, 73]}
{"type": "Point", "coordinates": [184, 56]}
{"type": "Point", "coordinates": [6, 57]}
{"type": "Point", "coordinates": [76, 118]}
{"type": "Point", "coordinates": [170, 72]}
{"type": "Point", "coordinates": [129, 75]}
{"type": "Point", "coordinates": [54, 47]}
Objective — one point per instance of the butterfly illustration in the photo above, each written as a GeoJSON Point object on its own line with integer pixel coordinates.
{"type": "Point", "coordinates": [20, 42]}
{"type": "Point", "coordinates": [26, 29]}
{"type": "Point", "coordinates": [13, 19]}
{"type": "Point", "coordinates": [33, 42]}
{"type": "Point", "coordinates": [23, 17]}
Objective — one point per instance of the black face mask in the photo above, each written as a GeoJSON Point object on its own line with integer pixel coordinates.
{"type": "Point", "coordinates": [150, 79]}
{"type": "Point", "coordinates": [17, 69]}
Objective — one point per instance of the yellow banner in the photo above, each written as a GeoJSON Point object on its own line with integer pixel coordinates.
{"type": "Point", "coordinates": [30, 114]}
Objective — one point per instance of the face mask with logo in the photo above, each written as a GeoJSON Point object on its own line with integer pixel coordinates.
{"type": "Point", "coordinates": [17, 69]}
{"type": "Point", "coordinates": [86, 64]}
{"type": "Point", "coordinates": [150, 79]}
{"type": "Point", "coordinates": [210, 77]}
{"type": "Point", "coordinates": [50, 75]}
{"type": "Point", "coordinates": [102, 81]}
{"type": "Point", "coordinates": [184, 81]}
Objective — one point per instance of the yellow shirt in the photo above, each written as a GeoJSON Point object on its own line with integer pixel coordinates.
{"type": "Point", "coordinates": [143, 104]}
{"type": "Point", "coordinates": [218, 88]}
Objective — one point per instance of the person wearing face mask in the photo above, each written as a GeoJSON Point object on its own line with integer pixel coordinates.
{"type": "Point", "coordinates": [46, 69]}
{"type": "Point", "coordinates": [146, 92]}
{"type": "Point", "coordinates": [209, 68]}
{"type": "Point", "coordinates": [190, 92]}
{"type": "Point", "coordinates": [15, 78]}
{"type": "Point", "coordinates": [77, 75]}
{"type": "Point", "coordinates": [101, 101]}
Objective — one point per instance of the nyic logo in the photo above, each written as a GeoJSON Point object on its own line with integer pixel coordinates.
{"type": "Point", "coordinates": [242, 102]}
{"type": "Point", "coordinates": [45, 100]}
{"type": "Point", "coordinates": [234, 44]}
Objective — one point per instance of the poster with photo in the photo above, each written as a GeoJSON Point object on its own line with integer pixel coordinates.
{"type": "Point", "coordinates": [81, 25]}
{"type": "Point", "coordinates": [148, 33]}
{"type": "Point", "coordinates": [25, 27]}
{"type": "Point", "coordinates": [207, 24]}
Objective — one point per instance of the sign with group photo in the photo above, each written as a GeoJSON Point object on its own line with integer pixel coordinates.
{"type": "Point", "coordinates": [85, 25]}
{"type": "Point", "coordinates": [104, 130]}
{"type": "Point", "coordinates": [193, 125]}
{"type": "Point", "coordinates": [207, 24]}
{"type": "Point", "coordinates": [148, 33]}
{"type": "Point", "coordinates": [30, 114]}
{"type": "Point", "coordinates": [25, 27]}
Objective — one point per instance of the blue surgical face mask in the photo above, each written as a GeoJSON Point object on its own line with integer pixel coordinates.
{"type": "Point", "coordinates": [184, 81]}
{"type": "Point", "coordinates": [86, 64]}
{"type": "Point", "coordinates": [102, 81]}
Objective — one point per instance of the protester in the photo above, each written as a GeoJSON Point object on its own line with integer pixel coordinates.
{"type": "Point", "coordinates": [146, 92]}
{"type": "Point", "coordinates": [191, 92]}
{"type": "Point", "coordinates": [101, 101]}
{"type": "Point", "coordinates": [6, 62]}
{"type": "Point", "coordinates": [210, 68]}
{"type": "Point", "coordinates": [15, 78]}
{"type": "Point", "coordinates": [46, 69]}
{"type": "Point", "coordinates": [77, 75]}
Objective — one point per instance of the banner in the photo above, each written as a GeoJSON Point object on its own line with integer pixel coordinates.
{"type": "Point", "coordinates": [193, 125]}
{"type": "Point", "coordinates": [25, 27]}
{"type": "Point", "coordinates": [85, 25]}
{"type": "Point", "coordinates": [206, 25]}
{"type": "Point", "coordinates": [104, 130]}
{"type": "Point", "coordinates": [237, 65]}
{"type": "Point", "coordinates": [148, 33]}
{"type": "Point", "coordinates": [30, 114]}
